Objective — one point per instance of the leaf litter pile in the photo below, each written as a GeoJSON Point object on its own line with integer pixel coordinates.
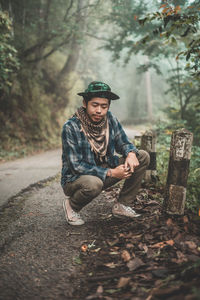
{"type": "Point", "coordinates": [155, 256]}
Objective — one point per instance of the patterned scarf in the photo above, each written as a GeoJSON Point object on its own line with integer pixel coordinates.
{"type": "Point", "coordinates": [97, 134]}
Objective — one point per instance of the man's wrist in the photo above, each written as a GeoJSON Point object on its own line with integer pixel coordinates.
{"type": "Point", "coordinates": [133, 152]}
{"type": "Point", "coordinates": [109, 173]}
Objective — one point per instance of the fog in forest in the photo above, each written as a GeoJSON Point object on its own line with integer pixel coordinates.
{"type": "Point", "coordinates": [131, 85]}
{"type": "Point", "coordinates": [51, 50]}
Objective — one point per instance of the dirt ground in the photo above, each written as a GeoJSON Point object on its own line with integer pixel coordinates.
{"type": "Point", "coordinates": [154, 256]}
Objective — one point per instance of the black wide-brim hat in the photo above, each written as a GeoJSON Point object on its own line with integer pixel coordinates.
{"type": "Point", "coordinates": [99, 89]}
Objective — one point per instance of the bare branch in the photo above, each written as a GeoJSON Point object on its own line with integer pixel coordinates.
{"type": "Point", "coordinates": [33, 48]}
{"type": "Point", "coordinates": [85, 7]}
{"type": "Point", "coordinates": [96, 37]}
{"type": "Point", "coordinates": [49, 2]}
{"type": "Point", "coordinates": [188, 99]}
{"type": "Point", "coordinates": [51, 36]}
{"type": "Point", "coordinates": [67, 11]}
{"type": "Point", "coordinates": [37, 59]}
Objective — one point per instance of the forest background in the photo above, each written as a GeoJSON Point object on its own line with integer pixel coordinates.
{"type": "Point", "coordinates": [147, 51]}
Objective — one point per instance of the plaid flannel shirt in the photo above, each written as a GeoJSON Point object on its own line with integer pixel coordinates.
{"type": "Point", "coordinates": [77, 156]}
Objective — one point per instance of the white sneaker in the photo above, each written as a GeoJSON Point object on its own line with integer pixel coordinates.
{"type": "Point", "coordinates": [75, 218]}
{"type": "Point", "coordinates": [119, 210]}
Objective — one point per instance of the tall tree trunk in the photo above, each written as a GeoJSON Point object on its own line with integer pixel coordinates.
{"type": "Point", "coordinates": [148, 91]}
{"type": "Point", "coordinates": [179, 91]}
{"type": "Point", "coordinates": [72, 59]}
{"type": "Point", "coordinates": [73, 56]}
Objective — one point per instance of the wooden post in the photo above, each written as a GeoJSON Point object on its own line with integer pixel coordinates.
{"type": "Point", "coordinates": [178, 170]}
{"type": "Point", "coordinates": [148, 143]}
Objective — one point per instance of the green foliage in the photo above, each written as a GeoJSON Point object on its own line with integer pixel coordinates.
{"type": "Point", "coordinates": [8, 54]}
{"type": "Point", "coordinates": [169, 31]}
{"type": "Point", "coordinates": [127, 30]}
{"type": "Point", "coordinates": [46, 35]}
{"type": "Point", "coordinates": [31, 124]}
{"type": "Point", "coordinates": [186, 90]}
{"type": "Point", "coordinates": [178, 25]}
{"type": "Point", "coordinates": [193, 188]}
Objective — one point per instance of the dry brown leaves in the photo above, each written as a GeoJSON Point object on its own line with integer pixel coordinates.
{"type": "Point", "coordinates": [151, 257]}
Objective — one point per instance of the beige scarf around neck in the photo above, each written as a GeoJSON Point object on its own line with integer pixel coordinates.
{"type": "Point", "coordinates": [97, 134]}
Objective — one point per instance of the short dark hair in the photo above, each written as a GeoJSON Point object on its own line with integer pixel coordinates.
{"type": "Point", "coordinates": [90, 97]}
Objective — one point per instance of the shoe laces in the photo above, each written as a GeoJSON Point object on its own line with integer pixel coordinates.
{"type": "Point", "coordinates": [128, 209]}
{"type": "Point", "coordinates": [75, 214]}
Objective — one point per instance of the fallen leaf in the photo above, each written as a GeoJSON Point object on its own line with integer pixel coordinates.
{"type": "Point", "coordinates": [152, 202]}
{"type": "Point", "coordinates": [169, 222]}
{"type": "Point", "coordinates": [140, 246]}
{"type": "Point", "coordinates": [96, 250]}
{"type": "Point", "coordinates": [191, 245]}
{"type": "Point", "coordinates": [185, 219]}
{"type": "Point", "coordinates": [150, 253]}
{"type": "Point", "coordinates": [111, 265]}
{"type": "Point", "coordinates": [163, 244]}
{"type": "Point", "coordinates": [113, 242]}
{"type": "Point", "coordinates": [97, 295]}
{"type": "Point", "coordinates": [135, 263]}
{"type": "Point", "coordinates": [180, 258]}
{"type": "Point", "coordinates": [129, 245]}
{"type": "Point", "coordinates": [100, 289]}
{"type": "Point", "coordinates": [148, 236]}
{"type": "Point", "coordinates": [125, 255]}
{"type": "Point", "coordinates": [178, 237]}
{"type": "Point", "coordinates": [156, 212]}
{"type": "Point", "coordinates": [114, 253]}
{"type": "Point", "coordinates": [123, 281]}
{"type": "Point", "coordinates": [138, 236]}
{"type": "Point", "coordinates": [180, 254]}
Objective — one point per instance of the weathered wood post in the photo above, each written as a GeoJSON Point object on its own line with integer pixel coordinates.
{"type": "Point", "coordinates": [148, 143]}
{"type": "Point", "coordinates": [178, 170]}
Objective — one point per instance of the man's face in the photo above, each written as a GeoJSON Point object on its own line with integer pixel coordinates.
{"type": "Point", "coordinates": [96, 108]}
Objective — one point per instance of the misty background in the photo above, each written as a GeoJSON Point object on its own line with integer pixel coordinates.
{"type": "Point", "coordinates": [52, 49]}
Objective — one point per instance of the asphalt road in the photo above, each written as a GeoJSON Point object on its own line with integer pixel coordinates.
{"type": "Point", "coordinates": [19, 174]}
{"type": "Point", "coordinates": [39, 252]}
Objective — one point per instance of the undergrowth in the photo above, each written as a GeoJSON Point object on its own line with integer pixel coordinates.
{"type": "Point", "coordinates": [16, 149]}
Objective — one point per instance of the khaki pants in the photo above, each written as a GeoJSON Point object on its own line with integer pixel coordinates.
{"type": "Point", "coordinates": [87, 187]}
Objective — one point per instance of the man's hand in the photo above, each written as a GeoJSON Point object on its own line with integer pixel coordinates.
{"type": "Point", "coordinates": [126, 170]}
{"type": "Point", "coordinates": [120, 172]}
{"type": "Point", "coordinates": [131, 162]}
